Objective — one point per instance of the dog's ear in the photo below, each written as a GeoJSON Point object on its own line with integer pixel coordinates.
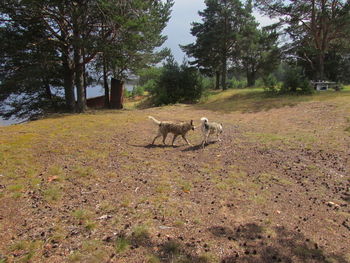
{"type": "Point", "coordinates": [191, 122]}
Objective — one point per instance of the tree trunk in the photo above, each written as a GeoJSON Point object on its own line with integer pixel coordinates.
{"type": "Point", "coordinates": [217, 80]}
{"type": "Point", "coordinates": [321, 66]}
{"type": "Point", "coordinates": [48, 91]}
{"type": "Point", "coordinates": [250, 78]}
{"type": "Point", "coordinates": [68, 84]}
{"type": "Point", "coordinates": [68, 73]}
{"type": "Point", "coordinates": [105, 83]}
{"type": "Point", "coordinates": [78, 63]}
{"type": "Point", "coordinates": [224, 73]}
{"type": "Point", "coordinates": [84, 75]}
{"type": "Point", "coordinates": [79, 80]}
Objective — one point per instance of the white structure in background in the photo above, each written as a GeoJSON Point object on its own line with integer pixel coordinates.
{"type": "Point", "coordinates": [325, 85]}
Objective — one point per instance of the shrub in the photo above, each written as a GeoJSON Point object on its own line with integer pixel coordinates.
{"type": "Point", "coordinates": [294, 81]}
{"type": "Point", "coordinates": [177, 84]}
{"type": "Point", "coordinates": [236, 84]}
{"type": "Point", "coordinates": [137, 91]}
{"type": "Point", "coordinates": [127, 93]}
{"type": "Point", "coordinates": [149, 85]}
{"type": "Point", "coordinates": [270, 84]}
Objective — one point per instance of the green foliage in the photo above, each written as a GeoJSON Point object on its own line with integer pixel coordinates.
{"type": "Point", "coordinates": [217, 37]}
{"type": "Point", "coordinates": [295, 81]}
{"type": "Point", "coordinates": [137, 91]}
{"type": "Point", "coordinates": [208, 83]}
{"type": "Point", "coordinates": [314, 29]}
{"type": "Point", "coordinates": [237, 84]}
{"type": "Point", "coordinates": [270, 84]}
{"type": "Point", "coordinates": [148, 77]}
{"type": "Point", "coordinates": [49, 47]}
{"type": "Point", "coordinates": [121, 244]}
{"type": "Point", "coordinates": [177, 84]}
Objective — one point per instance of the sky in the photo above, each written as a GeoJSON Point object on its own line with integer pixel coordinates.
{"type": "Point", "coordinates": [184, 12]}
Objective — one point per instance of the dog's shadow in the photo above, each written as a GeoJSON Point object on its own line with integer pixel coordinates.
{"type": "Point", "coordinates": [149, 146]}
{"type": "Point", "coordinates": [198, 146]}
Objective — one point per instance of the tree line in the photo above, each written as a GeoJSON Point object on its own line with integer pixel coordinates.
{"type": "Point", "coordinates": [311, 34]}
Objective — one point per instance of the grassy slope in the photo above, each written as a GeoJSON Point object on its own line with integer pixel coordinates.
{"type": "Point", "coordinates": [59, 175]}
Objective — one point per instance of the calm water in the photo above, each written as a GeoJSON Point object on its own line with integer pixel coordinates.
{"type": "Point", "coordinates": [90, 93]}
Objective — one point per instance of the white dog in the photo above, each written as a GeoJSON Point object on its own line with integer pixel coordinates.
{"type": "Point", "coordinates": [210, 128]}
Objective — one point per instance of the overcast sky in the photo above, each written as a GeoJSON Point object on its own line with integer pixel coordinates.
{"type": "Point", "coordinates": [185, 12]}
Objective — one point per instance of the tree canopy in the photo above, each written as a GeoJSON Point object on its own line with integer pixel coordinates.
{"type": "Point", "coordinates": [48, 44]}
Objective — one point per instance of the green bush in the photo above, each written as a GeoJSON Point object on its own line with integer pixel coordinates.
{"type": "Point", "coordinates": [127, 93]}
{"type": "Point", "coordinates": [177, 84]}
{"type": "Point", "coordinates": [236, 84]}
{"type": "Point", "coordinates": [270, 84]}
{"type": "Point", "coordinates": [208, 83]}
{"type": "Point", "coordinates": [137, 91]}
{"type": "Point", "coordinates": [150, 85]}
{"type": "Point", "coordinates": [295, 81]}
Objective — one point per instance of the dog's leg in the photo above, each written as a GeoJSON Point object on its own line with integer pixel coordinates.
{"type": "Point", "coordinates": [175, 136]}
{"type": "Point", "coordinates": [158, 135]}
{"type": "Point", "coordinates": [183, 136]}
{"type": "Point", "coordinates": [218, 137]}
{"type": "Point", "coordinates": [164, 137]}
{"type": "Point", "coordinates": [205, 140]}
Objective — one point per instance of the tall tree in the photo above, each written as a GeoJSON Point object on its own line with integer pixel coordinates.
{"type": "Point", "coordinates": [315, 23]}
{"type": "Point", "coordinates": [29, 63]}
{"type": "Point", "coordinates": [258, 49]}
{"type": "Point", "coordinates": [217, 35]}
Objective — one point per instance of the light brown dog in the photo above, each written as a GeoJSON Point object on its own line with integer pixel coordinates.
{"type": "Point", "coordinates": [177, 129]}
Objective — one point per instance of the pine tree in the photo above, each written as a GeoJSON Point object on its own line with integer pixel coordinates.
{"type": "Point", "coordinates": [217, 36]}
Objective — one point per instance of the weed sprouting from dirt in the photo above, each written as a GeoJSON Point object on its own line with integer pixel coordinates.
{"type": "Point", "coordinates": [122, 244]}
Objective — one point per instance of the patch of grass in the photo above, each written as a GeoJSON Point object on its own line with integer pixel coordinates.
{"type": "Point", "coordinates": [304, 252]}
{"type": "Point", "coordinates": [272, 178]}
{"type": "Point", "coordinates": [52, 194]}
{"type": "Point", "coordinates": [268, 138]}
{"type": "Point", "coordinates": [186, 186]}
{"type": "Point", "coordinates": [153, 259]}
{"type": "Point", "coordinates": [91, 251]}
{"type": "Point", "coordinates": [163, 187]}
{"type": "Point", "coordinates": [85, 172]}
{"type": "Point", "coordinates": [172, 248]}
{"type": "Point", "coordinates": [179, 223]}
{"type": "Point", "coordinates": [30, 249]}
{"type": "Point", "coordinates": [82, 214]}
{"type": "Point", "coordinates": [256, 100]}
{"type": "Point", "coordinates": [125, 202]}
{"type": "Point", "coordinates": [106, 206]}
{"type": "Point", "coordinates": [122, 244]}
{"type": "Point", "coordinates": [59, 233]}
{"type": "Point", "coordinates": [90, 225]}
{"type": "Point", "coordinates": [140, 234]}
{"type": "Point", "coordinates": [15, 188]}
{"type": "Point", "coordinates": [208, 258]}
{"type": "Point", "coordinates": [84, 218]}
{"type": "Point", "coordinates": [75, 257]}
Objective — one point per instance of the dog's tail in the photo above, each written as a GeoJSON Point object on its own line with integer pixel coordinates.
{"type": "Point", "coordinates": [156, 121]}
{"type": "Point", "coordinates": [204, 120]}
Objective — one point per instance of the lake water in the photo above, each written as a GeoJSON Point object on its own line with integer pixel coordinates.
{"type": "Point", "coordinates": [91, 92]}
